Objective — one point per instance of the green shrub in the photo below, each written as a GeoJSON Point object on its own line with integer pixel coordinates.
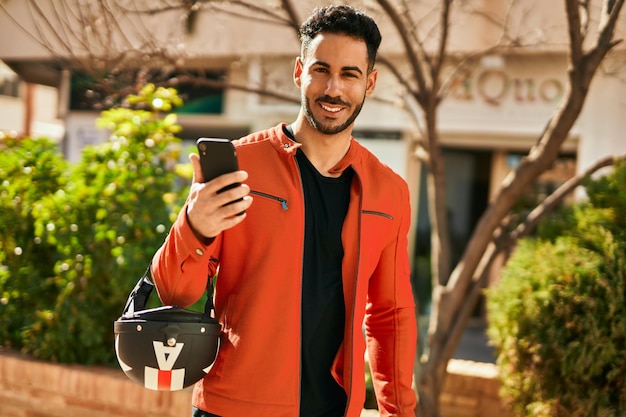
{"type": "Point", "coordinates": [30, 170]}
{"type": "Point", "coordinates": [104, 223]}
{"type": "Point", "coordinates": [558, 315]}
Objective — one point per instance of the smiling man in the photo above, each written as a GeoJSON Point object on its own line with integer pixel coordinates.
{"type": "Point", "coordinates": [315, 269]}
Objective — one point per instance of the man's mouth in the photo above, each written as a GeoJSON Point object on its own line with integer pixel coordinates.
{"type": "Point", "coordinates": [330, 109]}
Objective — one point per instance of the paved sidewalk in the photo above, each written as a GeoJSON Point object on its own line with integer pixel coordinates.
{"type": "Point", "coordinates": [474, 344]}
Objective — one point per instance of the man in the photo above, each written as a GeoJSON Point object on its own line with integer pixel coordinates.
{"type": "Point", "coordinates": [320, 256]}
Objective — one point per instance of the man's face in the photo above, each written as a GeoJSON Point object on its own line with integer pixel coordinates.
{"type": "Point", "coordinates": [334, 80]}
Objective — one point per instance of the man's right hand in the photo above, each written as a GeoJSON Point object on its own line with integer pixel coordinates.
{"type": "Point", "coordinates": [208, 211]}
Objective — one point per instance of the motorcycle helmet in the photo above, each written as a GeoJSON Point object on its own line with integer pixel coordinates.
{"type": "Point", "coordinates": [166, 348]}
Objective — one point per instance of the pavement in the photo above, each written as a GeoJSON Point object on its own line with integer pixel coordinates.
{"type": "Point", "coordinates": [474, 344]}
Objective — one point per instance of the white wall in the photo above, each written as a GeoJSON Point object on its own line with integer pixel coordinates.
{"type": "Point", "coordinates": [82, 131]}
{"type": "Point", "coordinates": [11, 114]}
{"type": "Point", "coordinates": [45, 120]}
{"type": "Point", "coordinates": [390, 152]}
{"type": "Point", "coordinates": [602, 124]}
{"type": "Point", "coordinates": [44, 113]}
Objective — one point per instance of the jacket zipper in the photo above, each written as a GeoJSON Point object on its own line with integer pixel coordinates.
{"type": "Point", "coordinates": [295, 161]}
{"type": "Point", "coordinates": [354, 300]}
{"type": "Point", "coordinates": [280, 200]}
{"type": "Point", "coordinates": [378, 213]}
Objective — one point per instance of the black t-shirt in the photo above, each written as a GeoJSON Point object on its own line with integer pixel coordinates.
{"type": "Point", "coordinates": [323, 309]}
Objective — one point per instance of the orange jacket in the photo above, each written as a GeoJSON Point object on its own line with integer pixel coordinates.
{"type": "Point", "coordinates": [257, 292]}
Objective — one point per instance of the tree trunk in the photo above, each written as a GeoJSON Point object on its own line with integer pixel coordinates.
{"type": "Point", "coordinates": [431, 367]}
{"type": "Point", "coordinates": [429, 385]}
{"type": "Point", "coordinates": [428, 394]}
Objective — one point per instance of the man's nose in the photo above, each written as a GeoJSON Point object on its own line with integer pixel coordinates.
{"type": "Point", "coordinates": [334, 86]}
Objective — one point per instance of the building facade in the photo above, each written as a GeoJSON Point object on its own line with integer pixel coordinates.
{"type": "Point", "coordinates": [28, 109]}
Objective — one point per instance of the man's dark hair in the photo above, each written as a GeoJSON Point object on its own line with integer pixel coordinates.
{"type": "Point", "coordinates": [342, 20]}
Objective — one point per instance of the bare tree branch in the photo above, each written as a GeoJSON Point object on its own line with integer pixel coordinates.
{"type": "Point", "coordinates": [444, 30]}
{"type": "Point", "coordinates": [533, 218]}
{"type": "Point", "coordinates": [412, 56]}
{"type": "Point", "coordinates": [453, 336]}
{"type": "Point", "coordinates": [610, 13]}
{"type": "Point", "coordinates": [47, 23]}
{"type": "Point", "coordinates": [575, 36]}
{"type": "Point", "coordinates": [186, 79]}
{"type": "Point", "coordinates": [293, 16]}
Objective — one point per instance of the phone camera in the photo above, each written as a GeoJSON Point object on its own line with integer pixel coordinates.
{"type": "Point", "coordinates": [202, 147]}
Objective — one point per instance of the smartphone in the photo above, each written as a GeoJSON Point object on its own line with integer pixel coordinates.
{"type": "Point", "coordinates": [217, 157]}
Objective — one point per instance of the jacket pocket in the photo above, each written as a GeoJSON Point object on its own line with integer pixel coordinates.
{"type": "Point", "coordinates": [378, 230]}
{"type": "Point", "coordinates": [278, 200]}
{"type": "Point", "coordinates": [377, 213]}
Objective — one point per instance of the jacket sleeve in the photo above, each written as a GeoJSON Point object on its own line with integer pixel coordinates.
{"type": "Point", "coordinates": [390, 325]}
{"type": "Point", "coordinates": [181, 266]}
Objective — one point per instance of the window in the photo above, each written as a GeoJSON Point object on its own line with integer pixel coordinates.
{"type": "Point", "coordinates": [9, 82]}
{"type": "Point", "coordinates": [200, 89]}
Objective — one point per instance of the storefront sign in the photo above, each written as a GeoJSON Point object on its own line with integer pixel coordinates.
{"type": "Point", "coordinates": [495, 86]}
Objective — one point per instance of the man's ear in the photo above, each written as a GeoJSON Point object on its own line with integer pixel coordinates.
{"type": "Point", "coordinates": [297, 71]}
{"type": "Point", "coordinates": [371, 82]}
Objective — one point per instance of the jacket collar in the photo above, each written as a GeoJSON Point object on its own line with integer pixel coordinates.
{"type": "Point", "coordinates": [288, 147]}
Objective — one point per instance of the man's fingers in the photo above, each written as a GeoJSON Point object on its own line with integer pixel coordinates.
{"type": "Point", "coordinates": [227, 180]}
{"type": "Point", "coordinates": [197, 169]}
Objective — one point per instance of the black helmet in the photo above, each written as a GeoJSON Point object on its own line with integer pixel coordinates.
{"type": "Point", "coordinates": [165, 348]}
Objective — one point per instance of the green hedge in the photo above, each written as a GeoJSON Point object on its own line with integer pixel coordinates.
{"type": "Point", "coordinates": [75, 238]}
{"type": "Point", "coordinates": [557, 317]}
{"type": "Point", "coordinates": [30, 170]}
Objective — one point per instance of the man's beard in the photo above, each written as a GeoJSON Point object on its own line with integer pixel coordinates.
{"type": "Point", "coordinates": [327, 128]}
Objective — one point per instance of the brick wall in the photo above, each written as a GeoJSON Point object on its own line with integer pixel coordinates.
{"type": "Point", "coordinates": [30, 388]}
{"type": "Point", "coordinates": [471, 390]}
